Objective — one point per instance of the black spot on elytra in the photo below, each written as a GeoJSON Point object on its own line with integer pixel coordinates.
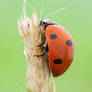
{"type": "Point", "coordinates": [53, 36]}
{"type": "Point", "coordinates": [68, 43]}
{"type": "Point", "coordinates": [57, 61]}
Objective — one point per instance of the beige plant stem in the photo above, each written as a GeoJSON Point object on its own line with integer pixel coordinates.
{"type": "Point", "coordinates": [38, 75]}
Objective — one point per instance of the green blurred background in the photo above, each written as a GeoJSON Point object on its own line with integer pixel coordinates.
{"type": "Point", "coordinates": [77, 19]}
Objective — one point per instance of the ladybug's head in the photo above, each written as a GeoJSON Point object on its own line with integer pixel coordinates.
{"type": "Point", "coordinates": [46, 22]}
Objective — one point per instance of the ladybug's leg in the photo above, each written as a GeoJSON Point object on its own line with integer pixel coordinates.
{"type": "Point", "coordinates": [45, 49]}
{"type": "Point", "coordinates": [39, 45]}
{"type": "Point", "coordinates": [45, 52]}
{"type": "Point", "coordinates": [42, 39]}
{"type": "Point", "coordinates": [40, 55]}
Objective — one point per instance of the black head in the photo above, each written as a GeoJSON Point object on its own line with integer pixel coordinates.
{"type": "Point", "coordinates": [46, 22]}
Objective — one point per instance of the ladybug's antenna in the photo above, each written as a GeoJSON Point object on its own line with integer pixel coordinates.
{"type": "Point", "coordinates": [57, 11]}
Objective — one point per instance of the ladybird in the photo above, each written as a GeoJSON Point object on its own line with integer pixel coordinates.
{"type": "Point", "coordinates": [59, 45]}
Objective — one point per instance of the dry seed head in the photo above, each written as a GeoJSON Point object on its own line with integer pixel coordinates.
{"type": "Point", "coordinates": [38, 72]}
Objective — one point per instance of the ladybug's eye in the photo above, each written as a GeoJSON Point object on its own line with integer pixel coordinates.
{"type": "Point", "coordinates": [44, 23]}
{"type": "Point", "coordinates": [57, 61]}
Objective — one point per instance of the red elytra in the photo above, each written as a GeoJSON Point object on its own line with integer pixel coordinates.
{"type": "Point", "coordinates": [61, 49]}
